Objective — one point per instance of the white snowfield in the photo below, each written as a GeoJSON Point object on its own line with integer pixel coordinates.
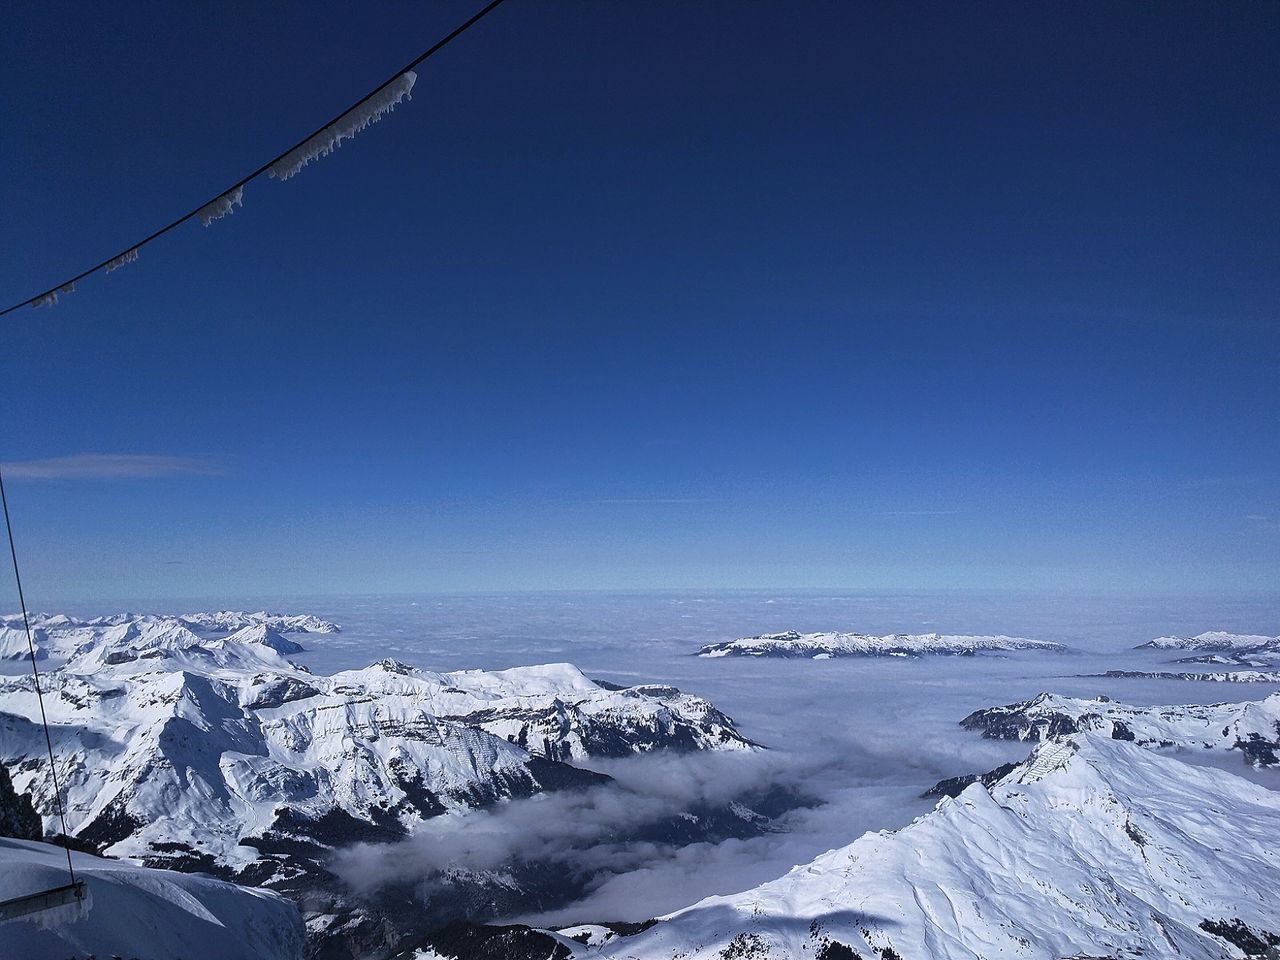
{"type": "Point", "coordinates": [820, 646]}
{"type": "Point", "coordinates": [1253, 728]}
{"type": "Point", "coordinates": [143, 914]}
{"type": "Point", "coordinates": [1093, 848]}
{"type": "Point", "coordinates": [176, 747]}
{"type": "Point", "coordinates": [1213, 640]}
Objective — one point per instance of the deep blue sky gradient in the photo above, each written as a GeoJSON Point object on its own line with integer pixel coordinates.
{"type": "Point", "coordinates": [651, 295]}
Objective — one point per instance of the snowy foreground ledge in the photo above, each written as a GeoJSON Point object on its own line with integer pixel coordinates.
{"type": "Point", "coordinates": [1091, 848]}
{"type": "Point", "coordinates": [822, 646]}
{"type": "Point", "coordinates": [158, 914]}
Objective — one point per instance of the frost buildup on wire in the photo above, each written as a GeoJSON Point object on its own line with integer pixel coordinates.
{"type": "Point", "coordinates": [129, 256]}
{"type": "Point", "coordinates": [51, 298]}
{"type": "Point", "coordinates": [346, 126]}
{"type": "Point", "coordinates": [224, 205]}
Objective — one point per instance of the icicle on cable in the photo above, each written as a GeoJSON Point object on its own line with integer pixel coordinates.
{"type": "Point", "coordinates": [51, 298]}
{"type": "Point", "coordinates": [221, 207]}
{"type": "Point", "coordinates": [129, 256]}
{"type": "Point", "coordinates": [346, 126]}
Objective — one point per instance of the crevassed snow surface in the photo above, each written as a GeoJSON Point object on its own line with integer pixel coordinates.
{"type": "Point", "coordinates": [144, 914]}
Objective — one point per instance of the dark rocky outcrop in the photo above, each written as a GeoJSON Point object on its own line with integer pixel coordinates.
{"type": "Point", "coordinates": [1011, 722]}
{"type": "Point", "coordinates": [954, 786]}
{"type": "Point", "coordinates": [468, 941]}
{"type": "Point", "coordinates": [18, 818]}
{"type": "Point", "coordinates": [1252, 943]}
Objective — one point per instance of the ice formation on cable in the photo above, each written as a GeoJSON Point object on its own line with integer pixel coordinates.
{"type": "Point", "coordinates": [51, 298]}
{"type": "Point", "coordinates": [224, 205]}
{"type": "Point", "coordinates": [346, 126]}
{"type": "Point", "coordinates": [129, 256]}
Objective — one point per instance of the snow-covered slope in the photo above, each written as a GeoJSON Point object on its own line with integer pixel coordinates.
{"type": "Point", "coordinates": [1251, 728]}
{"type": "Point", "coordinates": [13, 642]}
{"type": "Point", "coordinates": [820, 646]}
{"type": "Point", "coordinates": [1093, 848]}
{"type": "Point", "coordinates": [220, 754]}
{"type": "Point", "coordinates": [1213, 640]}
{"type": "Point", "coordinates": [144, 914]}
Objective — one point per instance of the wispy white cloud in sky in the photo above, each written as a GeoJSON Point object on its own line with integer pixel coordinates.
{"type": "Point", "coordinates": [918, 513]}
{"type": "Point", "coordinates": [625, 500]}
{"type": "Point", "coordinates": [108, 466]}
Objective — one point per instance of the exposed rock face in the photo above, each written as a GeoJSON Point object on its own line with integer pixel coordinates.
{"type": "Point", "coordinates": [1251, 728]}
{"type": "Point", "coordinates": [954, 786]}
{"type": "Point", "coordinates": [821, 646]}
{"type": "Point", "coordinates": [18, 818]}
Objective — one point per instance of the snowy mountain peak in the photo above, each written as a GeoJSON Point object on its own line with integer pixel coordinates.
{"type": "Point", "coordinates": [1090, 845]}
{"type": "Point", "coordinates": [265, 635]}
{"type": "Point", "coordinates": [13, 642]}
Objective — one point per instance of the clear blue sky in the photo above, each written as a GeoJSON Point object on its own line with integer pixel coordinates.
{"type": "Point", "coordinates": [647, 295]}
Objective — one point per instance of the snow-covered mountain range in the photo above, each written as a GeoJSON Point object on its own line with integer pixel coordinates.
{"type": "Point", "coordinates": [141, 913]}
{"type": "Point", "coordinates": [1226, 649]}
{"type": "Point", "coordinates": [1226, 676]}
{"type": "Point", "coordinates": [1092, 848]}
{"type": "Point", "coordinates": [179, 746]}
{"type": "Point", "coordinates": [1213, 641]}
{"type": "Point", "coordinates": [1251, 728]}
{"type": "Point", "coordinates": [821, 646]}
{"type": "Point", "coordinates": [58, 635]}
{"type": "Point", "coordinates": [213, 751]}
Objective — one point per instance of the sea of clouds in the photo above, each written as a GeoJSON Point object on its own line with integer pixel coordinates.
{"type": "Point", "coordinates": [863, 737]}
